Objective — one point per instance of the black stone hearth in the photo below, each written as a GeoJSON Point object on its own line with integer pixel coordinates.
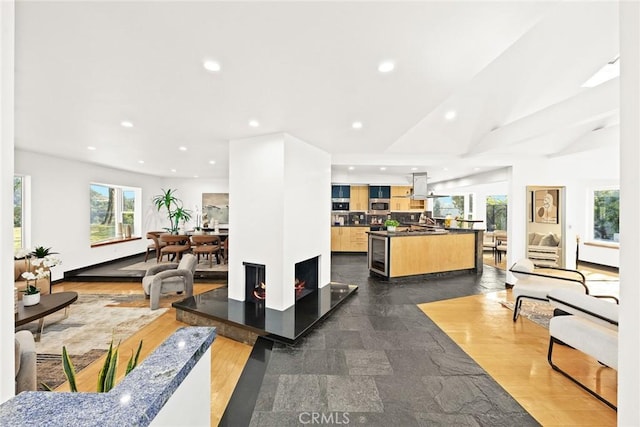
{"type": "Point", "coordinates": [215, 308]}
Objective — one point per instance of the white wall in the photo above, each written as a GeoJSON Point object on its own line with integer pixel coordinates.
{"type": "Point", "coordinates": [7, 19]}
{"type": "Point", "coordinates": [60, 208]}
{"type": "Point", "coordinates": [278, 192]}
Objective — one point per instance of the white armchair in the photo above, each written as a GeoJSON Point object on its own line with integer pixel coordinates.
{"type": "Point", "coordinates": [26, 372]}
{"type": "Point", "coordinates": [537, 283]}
{"type": "Point", "coordinates": [169, 277]}
{"type": "Point", "coordinates": [590, 326]}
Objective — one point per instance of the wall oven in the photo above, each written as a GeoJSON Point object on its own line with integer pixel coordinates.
{"type": "Point", "coordinates": [339, 205]}
{"type": "Point", "coordinates": [379, 206]}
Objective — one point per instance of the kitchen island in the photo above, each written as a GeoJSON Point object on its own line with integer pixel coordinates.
{"type": "Point", "coordinates": [432, 251]}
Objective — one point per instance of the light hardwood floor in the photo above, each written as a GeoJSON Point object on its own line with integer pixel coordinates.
{"type": "Point", "coordinates": [228, 357]}
{"type": "Point", "coordinates": [515, 355]}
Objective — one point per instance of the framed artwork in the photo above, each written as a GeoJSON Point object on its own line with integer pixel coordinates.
{"type": "Point", "coordinates": [215, 207]}
{"type": "Point", "coordinates": [546, 204]}
{"type": "Point", "coordinates": [530, 206]}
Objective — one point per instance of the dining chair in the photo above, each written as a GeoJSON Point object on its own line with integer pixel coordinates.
{"type": "Point", "coordinates": [175, 244]}
{"type": "Point", "coordinates": [206, 244]}
{"type": "Point", "coordinates": [155, 246]}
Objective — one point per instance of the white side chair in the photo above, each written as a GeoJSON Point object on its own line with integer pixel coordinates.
{"type": "Point", "coordinates": [536, 284]}
{"type": "Point", "coordinates": [590, 326]}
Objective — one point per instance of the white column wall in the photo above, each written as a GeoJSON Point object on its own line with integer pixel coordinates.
{"type": "Point", "coordinates": [629, 335]}
{"type": "Point", "coordinates": [279, 189]}
{"type": "Point", "coordinates": [7, 21]}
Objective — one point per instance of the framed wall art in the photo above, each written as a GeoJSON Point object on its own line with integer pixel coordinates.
{"type": "Point", "coordinates": [546, 204]}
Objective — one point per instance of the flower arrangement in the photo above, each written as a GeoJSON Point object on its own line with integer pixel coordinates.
{"type": "Point", "coordinates": [38, 261]}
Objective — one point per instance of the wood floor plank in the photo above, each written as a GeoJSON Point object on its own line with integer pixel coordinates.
{"type": "Point", "coordinates": [515, 355]}
{"type": "Point", "coordinates": [228, 357]}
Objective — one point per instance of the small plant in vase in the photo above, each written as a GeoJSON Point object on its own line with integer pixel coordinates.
{"type": "Point", "coordinates": [391, 224]}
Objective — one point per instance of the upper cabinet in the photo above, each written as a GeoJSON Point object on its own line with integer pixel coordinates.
{"type": "Point", "coordinates": [379, 192]}
{"type": "Point", "coordinates": [340, 191]}
{"type": "Point", "coordinates": [400, 200]}
{"type": "Point", "coordinates": [359, 198]}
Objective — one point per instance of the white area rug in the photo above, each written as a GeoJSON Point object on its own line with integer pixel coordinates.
{"type": "Point", "coordinates": [93, 320]}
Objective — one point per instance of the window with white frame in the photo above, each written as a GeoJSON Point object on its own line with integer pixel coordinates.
{"type": "Point", "coordinates": [114, 210]}
{"type": "Point", "coordinates": [18, 212]}
{"type": "Point", "coordinates": [605, 225]}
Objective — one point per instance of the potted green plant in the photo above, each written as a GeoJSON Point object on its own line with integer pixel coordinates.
{"type": "Point", "coordinates": [107, 375]}
{"type": "Point", "coordinates": [173, 206]}
{"type": "Point", "coordinates": [391, 224]}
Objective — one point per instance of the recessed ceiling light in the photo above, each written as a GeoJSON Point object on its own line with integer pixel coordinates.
{"type": "Point", "coordinates": [386, 66]}
{"type": "Point", "coordinates": [91, 148]}
{"type": "Point", "coordinates": [182, 148]}
{"type": "Point", "coordinates": [195, 176]}
{"type": "Point", "coordinates": [254, 123]}
{"type": "Point", "coordinates": [126, 124]}
{"type": "Point", "coordinates": [173, 170]}
{"type": "Point", "coordinates": [351, 168]}
{"type": "Point", "coordinates": [414, 169]}
{"type": "Point", "coordinates": [210, 65]}
{"type": "Point", "coordinates": [476, 169]}
{"type": "Point", "coordinates": [382, 168]}
{"type": "Point", "coordinates": [212, 162]}
{"type": "Point", "coordinates": [141, 161]}
{"type": "Point", "coordinates": [356, 125]}
{"type": "Point", "coordinates": [445, 169]}
{"type": "Point", "coordinates": [450, 115]}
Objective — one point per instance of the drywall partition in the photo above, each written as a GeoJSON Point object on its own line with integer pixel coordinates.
{"type": "Point", "coordinates": [629, 351]}
{"type": "Point", "coordinates": [7, 66]}
{"type": "Point", "coordinates": [279, 192]}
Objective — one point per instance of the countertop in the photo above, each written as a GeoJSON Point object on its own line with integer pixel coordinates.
{"type": "Point", "coordinates": [136, 400]}
{"type": "Point", "coordinates": [409, 233]}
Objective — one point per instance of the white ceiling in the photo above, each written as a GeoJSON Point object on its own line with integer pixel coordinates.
{"type": "Point", "coordinates": [512, 71]}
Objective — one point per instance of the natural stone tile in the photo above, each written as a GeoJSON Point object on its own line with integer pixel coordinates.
{"type": "Point", "coordinates": [446, 420]}
{"type": "Point", "coordinates": [368, 362]}
{"type": "Point", "coordinates": [301, 393]}
{"type": "Point", "coordinates": [353, 394]}
{"type": "Point", "coordinates": [267, 393]}
{"type": "Point", "coordinates": [287, 361]}
{"type": "Point", "coordinates": [387, 323]}
{"type": "Point", "coordinates": [327, 362]}
{"type": "Point", "coordinates": [343, 340]}
{"type": "Point", "coordinates": [354, 323]}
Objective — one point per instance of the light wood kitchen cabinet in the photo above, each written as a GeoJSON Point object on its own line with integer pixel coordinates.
{"type": "Point", "coordinates": [359, 198]}
{"type": "Point", "coordinates": [349, 239]}
{"type": "Point", "coordinates": [399, 198]}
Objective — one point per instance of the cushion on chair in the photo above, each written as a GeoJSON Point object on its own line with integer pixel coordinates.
{"type": "Point", "coordinates": [567, 301]}
{"type": "Point", "coordinates": [523, 265]}
{"type": "Point", "coordinates": [539, 287]}
{"type": "Point", "coordinates": [549, 240]}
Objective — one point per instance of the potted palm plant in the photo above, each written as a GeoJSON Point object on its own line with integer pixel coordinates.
{"type": "Point", "coordinates": [173, 205]}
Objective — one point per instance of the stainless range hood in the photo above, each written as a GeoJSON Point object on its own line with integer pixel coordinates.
{"type": "Point", "coordinates": [420, 190]}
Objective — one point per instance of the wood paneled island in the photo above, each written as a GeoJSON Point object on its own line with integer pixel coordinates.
{"type": "Point", "coordinates": [411, 253]}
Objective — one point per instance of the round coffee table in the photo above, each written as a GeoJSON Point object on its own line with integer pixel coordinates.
{"type": "Point", "coordinates": [48, 304]}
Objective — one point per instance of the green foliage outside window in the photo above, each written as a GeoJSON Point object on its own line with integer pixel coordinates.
{"type": "Point", "coordinates": [496, 216]}
{"type": "Point", "coordinates": [606, 215]}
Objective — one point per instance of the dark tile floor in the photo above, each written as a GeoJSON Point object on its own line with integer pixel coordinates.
{"type": "Point", "coordinates": [379, 361]}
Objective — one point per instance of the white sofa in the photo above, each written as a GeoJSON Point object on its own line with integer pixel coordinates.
{"type": "Point", "coordinates": [544, 249]}
{"type": "Point", "coordinates": [590, 326]}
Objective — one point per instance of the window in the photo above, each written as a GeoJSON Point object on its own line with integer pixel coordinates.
{"type": "Point", "coordinates": [450, 205]}
{"type": "Point", "coordinates": [112, 210]}
{"type": "Point", "coordinates": [18, 212]}
{"type": "Point", "coordinates": [496, 213]}
{"type": "Point", "coordinates": [606, 215]}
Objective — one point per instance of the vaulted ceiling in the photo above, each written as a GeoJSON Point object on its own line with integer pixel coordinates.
{"type": "Point", "coordinates": [510, 70]}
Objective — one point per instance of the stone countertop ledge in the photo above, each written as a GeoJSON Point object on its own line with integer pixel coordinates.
{"type": "Point", "coordinates": [135, 401]}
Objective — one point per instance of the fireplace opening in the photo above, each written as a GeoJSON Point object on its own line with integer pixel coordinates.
{"type": "Point", "coordinates": [255, 285]}
{"type": "Point", "coordinates": [306, 277]}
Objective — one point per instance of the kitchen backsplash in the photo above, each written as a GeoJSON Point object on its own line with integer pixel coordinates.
{"type": "Point", "coordinates": [362, 218]}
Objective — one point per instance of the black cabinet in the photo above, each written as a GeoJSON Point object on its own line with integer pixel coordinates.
{"type": "Point", "coordinates": [379, 192]}
{"type": "Point", "coordinates": [340, 191]}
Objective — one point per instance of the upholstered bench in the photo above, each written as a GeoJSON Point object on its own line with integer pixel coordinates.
{"type": "Point", "coordinates": [590, 326]}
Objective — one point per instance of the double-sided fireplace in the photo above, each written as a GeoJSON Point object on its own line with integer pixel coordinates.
{"type": "Point", "coordinates": [305, 282]}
